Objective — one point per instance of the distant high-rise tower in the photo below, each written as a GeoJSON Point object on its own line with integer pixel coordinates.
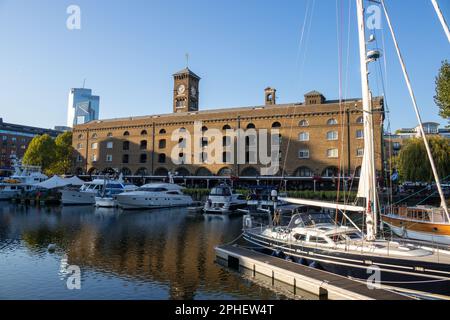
{"type": "Point", "coordinates": [83, 107]}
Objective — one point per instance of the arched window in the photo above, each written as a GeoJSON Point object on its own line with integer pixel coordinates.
{"type": "Point", "coordinates": [330, 172]}
{"type": "Point", "coordinates": [80, 136]}
{"type": "Point", "coordinates": [251, 126]}
{"type": "Point", "coordinates": [126, 172]}
{"type": "Point", "coordinates": [126, 134]}
{"type": "Point", "coordinates": [162, 143]}
{"type": "Point", "coordinates": [276, 125]}
{"type": "Point", "coordinates": [109, 135]}
{"type": "Point", "coordinates": [332, 122]}
{"type": "Point", "coordinates": [226, 127]}
{"type": "Point", "coordinates": [142, 172]}
{"type": "Point", "coordinates": [303, 123]}
{"type": "Point", "coordinates": [94, 136]}
{"type": "Point", "coordinates": [204, 128]}
{"type": "Point", "coordinates": [143, 145]}
{"type": "Point", "coordinates": [303, 172]}
{"type": "Point", "coordinates": [143, 132]}
{"type": "Point", "coordinates": [162, 131]}
{"type": "Point", "coordinates": [183, 129]}
{"type": "Point", "coordinates": [360, 120]}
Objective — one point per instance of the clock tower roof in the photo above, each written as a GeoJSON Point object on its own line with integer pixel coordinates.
{"type": "Point", "coordinates": [188, 72]}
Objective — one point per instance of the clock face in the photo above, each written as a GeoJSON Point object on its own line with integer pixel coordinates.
{"type": "Point", "coordinates": [181, 89]}
{"type": "Point", "coordinates": [193, 91]}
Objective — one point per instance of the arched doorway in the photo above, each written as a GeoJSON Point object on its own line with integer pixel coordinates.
{"type": "Point", "coordinates": [109, 171]}
{"type": "Point", "coordinates": [303, 172]}
{"type": "Point", "coordinates": [126, 172]}
{"type": "Point", "coordinates": [93, 171]}
{"type": "Point", "coordinates": [182, 172]}
{"type": "Point", "coordinates": [250, 172]}
{"type": "Point", "coordinates": [225, 172]}
{"type": "Point", "coordinates": [203, 172]}
{"type": "Point", "coordinates": [163, 172]}
{"type": "Point", "coordinates": [330, 172]}
{"type": "Point", "coordinates": [142, 172]}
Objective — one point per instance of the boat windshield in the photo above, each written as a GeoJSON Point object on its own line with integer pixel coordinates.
{"type": "Point", "coordinates": [310, 220]}
{"type": "Point", "coordinates": [220, 191]}
{"type": "Point", "coordinates": [150, 189]}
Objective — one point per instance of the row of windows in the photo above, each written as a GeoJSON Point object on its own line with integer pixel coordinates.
{"type": "Point", "coordinates": [302, 123]}
{"type": "Point", "coordinates": [331, 153]}
{"type": "Point", "coordinates": [331, 135]}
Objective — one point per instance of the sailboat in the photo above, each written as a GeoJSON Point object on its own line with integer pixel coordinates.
{"type": "Point", "coordinates": [316, 239]}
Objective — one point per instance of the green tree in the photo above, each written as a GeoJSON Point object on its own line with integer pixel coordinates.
{"type": "Point", "coordinates": [442, 97]}
{"type": "Point", "coordinates": [62, 163]}
{"type": "Point", "coordinates": [413, 163]}
{"type": "Point", "coordinates": [41, 152]}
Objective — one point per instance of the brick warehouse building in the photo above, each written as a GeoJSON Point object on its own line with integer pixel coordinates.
{"type": "Point", "coordinates": [318, 136]}
{"type": "Point", "coordinates": [14, 139]}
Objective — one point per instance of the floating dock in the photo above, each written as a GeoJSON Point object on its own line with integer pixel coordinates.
{"type": "Point", "coordinates": [323, 284]}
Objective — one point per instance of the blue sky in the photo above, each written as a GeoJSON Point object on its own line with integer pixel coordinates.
{"type": "Point", "coordinates": [128, 51]}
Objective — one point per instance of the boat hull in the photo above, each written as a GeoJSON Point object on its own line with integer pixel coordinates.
{"type": "Point", "coordinates": [105, 202]}
{"type": "Point", "coordinates": [420, 277]}
{"type": "Point", "coordinates": [69, 197]}
{"type": "Point", "coordinates": [416, 230]}
{"type": "Point", "coordinates": [128, 202]}
{"type": "Point", "coordinates": [233, 208]}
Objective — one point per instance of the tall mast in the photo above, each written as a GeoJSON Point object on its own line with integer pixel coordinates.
{"type": "Point", "coordinates": [419, 118]}
{"type": "Point", "coordinates": [368, 182]}
{"type": "Point", "coordinates": [441, 18]}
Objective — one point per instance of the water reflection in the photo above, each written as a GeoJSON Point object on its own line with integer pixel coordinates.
{"type": "Point", "coordinates": [163, 254]}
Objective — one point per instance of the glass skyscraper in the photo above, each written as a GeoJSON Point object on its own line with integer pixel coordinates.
{"type": "Point", "coordinates": [83, 107]}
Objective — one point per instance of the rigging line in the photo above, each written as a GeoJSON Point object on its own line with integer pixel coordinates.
{"type": "Point", "coordinates": [308, 32]}
{"type": "Point", "coordinates": [302, 33]}
{"type": "Point", "coordinates": [419, 118]}
{"type": "Point", "coordinates": [441, 18]}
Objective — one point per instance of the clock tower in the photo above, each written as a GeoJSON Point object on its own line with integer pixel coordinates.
{"type": "Point", "coordinates": [185, 93]}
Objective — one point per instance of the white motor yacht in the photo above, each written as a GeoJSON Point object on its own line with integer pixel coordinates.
{"type": "Point", "coordinates": [24, 179]}
{"type": "Point", "coordinates": [91, 192]}
{"type": "Point", "coordinates": [222, 200]}
{"type": "Point", "coordinates": [154, 195]}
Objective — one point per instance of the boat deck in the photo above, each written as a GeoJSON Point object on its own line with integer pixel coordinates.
{"type": "Point", "coordinates": [321, 283]}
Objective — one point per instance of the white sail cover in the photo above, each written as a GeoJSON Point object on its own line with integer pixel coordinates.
{"type": "Point", "coordinates": [364, 182]}
{"type": "Point", "coordinates": [323, 204]}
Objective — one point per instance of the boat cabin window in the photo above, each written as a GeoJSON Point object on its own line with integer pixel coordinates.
{"type": "Point", "coordinates": [220, 192]}
{"type": "Point", "coordinates": [113, 186]}
{"type": "Point", "coordinates": [173, 192]}
{"type": "Point", "coordinates": [317, 240]}
{"type": "Point", "coordinates": [152, 189]}
{"type": "Point", "coordinates": [354, 236]}
{"type": "Point", "coordinates": [300, 237]}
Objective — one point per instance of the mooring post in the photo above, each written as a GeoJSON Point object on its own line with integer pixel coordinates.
{"type": "Point", "coordinates": [295, 286]}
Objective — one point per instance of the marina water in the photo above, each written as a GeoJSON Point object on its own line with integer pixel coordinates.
{"type": "Point", "coordinates": [163, 254]}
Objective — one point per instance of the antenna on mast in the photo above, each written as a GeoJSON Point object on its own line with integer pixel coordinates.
{"type": "Point", "coordinates": [187, 60]}
{"type": "Point", "coordinates": [84, 82]}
